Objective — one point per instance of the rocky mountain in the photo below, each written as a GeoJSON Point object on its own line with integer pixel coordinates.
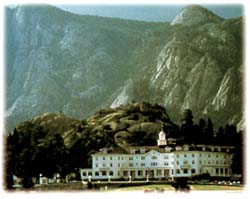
{"type": "Point", "coordinates": [62, 62]}
{"type": "Point", "coordinates": [57, 61]}
{"type": "Point", "coordinates": [199, 67]}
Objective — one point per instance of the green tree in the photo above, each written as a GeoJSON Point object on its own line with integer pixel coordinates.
{"type": "Point", "coordinates": [237, 165]}
{"type": "Point", "coordinates": [220, 135]}
{"type": "Point", "coordinates": [209, 132]}
{"type": "Point", "coordinates": [187, 126]}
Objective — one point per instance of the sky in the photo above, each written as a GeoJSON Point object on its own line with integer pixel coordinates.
{"type": "Point", "coordinates": [149, 12]}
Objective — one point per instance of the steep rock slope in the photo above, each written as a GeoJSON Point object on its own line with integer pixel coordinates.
{"type": "Point", "coordinates": [61, 62]}
{"type": "Point", "coordinates": [58, 61]}
{"type": "Point", "coordinates": [199, 67]}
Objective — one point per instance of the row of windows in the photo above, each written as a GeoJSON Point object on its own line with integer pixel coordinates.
{"type": "Point", "coordinates": [204, 155]}
{"type": "Point", "coordinates": [165, 157]}
{"type": "Point", "coordinates": [217, 162]}
{"type": "Point", "coordinates": [97, 173]}
{"type": "Point", "coordinates": [212, 155]}
{"type": "Point", "coordinates": [221, 171]}
{"type": "Point", "coordinates": [120, 158]}
{"type": "Point", "coordinates": [185, 155]}
{"type": "Point", "coordinates": [184, 171]}
{"type": "Point", "coordinates": [185, 162]}
{"type": "Point", "coordinates": [150, 173]}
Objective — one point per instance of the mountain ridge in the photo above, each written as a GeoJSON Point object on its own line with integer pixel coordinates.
{"type": "Point", "coordinates": [79, 64]}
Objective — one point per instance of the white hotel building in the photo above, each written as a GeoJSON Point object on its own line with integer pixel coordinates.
{"type": "Point", "coordinates": [159, 162]}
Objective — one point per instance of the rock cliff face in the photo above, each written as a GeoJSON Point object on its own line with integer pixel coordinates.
{"type": "Point", "coordinates": [199, 67]}
{"type": "Point", "coordinates": [57, 61]}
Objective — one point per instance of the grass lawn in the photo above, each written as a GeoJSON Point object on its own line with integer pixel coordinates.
{"type": "Point", "coordinates": [146, 187]}
{"type": "Point", "coordinates": [193, 188]}
{"type": "Point", "coordinates": [77, 186]}
{"type": "Point", "coordinates": [217, 187]}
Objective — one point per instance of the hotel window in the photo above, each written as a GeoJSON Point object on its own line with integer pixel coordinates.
{"type": "Point", "coordinates": [193, 155]}
{"type": "Point", "coordinates": [142, 158]}
{"type": "Point", "coordinates": [153, 163]}
{"type": "Point", "coordinates": [154, 157]}
{"type": "Point", "coordinates": [226, 171]}
{"type": "Point", "coordinates": [96, 173]}
{"type": "Point", "coordinates": [209, 162]}
{"type": "Point", "coordinates": [165, 157]}
{"type": "Point", "coordinates": [177, 162]}
{"type": "Point", "coordinates": [132, 151]}
{"type": "Point", "coordinates": [130, 164]}
{"type": "Point", "coordinates": [110, 158]}
{"type": "Point", "coordinates": [89, 173]}
{"type": "Point", "coordinates": [192, 162]}
{"type": "Point", "coordinates": [221, 170]}
{"type": "Point", "coordinates": [177, 171]}
{"type": "Point", "coordinates": [130, 158]}
{"type": "Point", "coordinates": [217, 162]}
{"type": "Point", "coordinates": [193, 171]}
{"type": "Point", "coordinates": [209, 155]}
{"type": "Point", "coordinates": [165, 163]}
{"type": "Point", "coordinates": [118, 164]}
{"type": "Point", "coordinates": [166, 172]}
{"type": "Point", "coordinates": [142, 150]}
{"type": "Point", "coordinates": [217, 156]}
{"type": "Point", "coordinates": [111, 164]}
{"type": "Point", "coordinates": [217, 171]}
{"type": "Point", "coordinates": [96, 165]}
{"type": "Point", "coordinates": [177, 155]}
{"type": "Point", "coordinates": [84, 173]}
{"type": "Point", "coordinates": [103, 173]}
{"type": "Point", "coordinates": [103, 158]}
{"type": "Point", "coordinates": [125, 173]}
{"type": "Point", "coordinates": [185, 171]}
{"type": "Point", "coordinates": [143, 164]}
{"type": "Point", "coordinates": [139, 173]}
{"type": "Point", "coordinates": [118, 173]}
{"type": "Point", "coordinates": [185, 155]}
{"type": "Point", "coordinates": [118, 157]}
{"type": "Point", "coordinates": [185, 162]}
{"type": "Point", "coordinates": [111, 173]}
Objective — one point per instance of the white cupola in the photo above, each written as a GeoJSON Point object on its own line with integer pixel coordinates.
{"type": "Point", "coordinates": [162, 142]}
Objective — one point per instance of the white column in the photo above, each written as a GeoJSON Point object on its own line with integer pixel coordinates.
{"type": "Point", "coordinates": [40, 179]}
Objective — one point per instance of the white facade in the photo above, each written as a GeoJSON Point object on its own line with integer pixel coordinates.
{"type": "Point", "coordinates": [159, 162]}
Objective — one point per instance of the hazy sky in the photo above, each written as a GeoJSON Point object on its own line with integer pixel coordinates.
{"type": "Point", "coordinates": [148, 13]}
